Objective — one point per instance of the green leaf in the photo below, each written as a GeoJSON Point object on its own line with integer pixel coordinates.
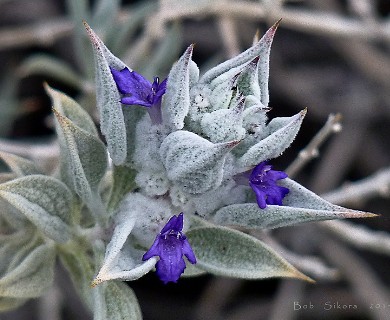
{"type": "Point", "coordinates": [69, 108]}
{"type": "Point", "coordinates": [45, 201]}
{"type": "Point", "coordinates": [8, 304]}
{"type": "Point", "coordinates": [123, 182]}
{"type": "Point", "coordinates": [231, 253]}
{"type": "Point", "coordinates": [116, 301]}
{"type": "Point", "coordinates": [32, 277]}
{"type": "Point", "coordinates": [48, 66]}
{"type": "Point", "coordinates": [18, 165]}
{"type": "Point", "coordinates": [83, 162]}
{"type": "Point", "coordinates": [108, 99]}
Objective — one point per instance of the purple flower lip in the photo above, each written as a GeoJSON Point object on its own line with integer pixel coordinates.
{"type": "Point", "coordinates": [170, 245]}
{"type": "Point", "coordinates": [137, 90]}
{"type": "Point", "coordinates": [262, 179]}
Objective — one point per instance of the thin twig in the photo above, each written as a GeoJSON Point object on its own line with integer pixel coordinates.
{"type": "Point", "coordinates": [311, 151]}
{"type": "Point", "coordinates": [313, 266]}
{"type": "Point", "coordinates": [359, 236]}
{"type": "Point", "coordinates": [319, 23]}
{"type": "Point", "coordinates": [376, 185]}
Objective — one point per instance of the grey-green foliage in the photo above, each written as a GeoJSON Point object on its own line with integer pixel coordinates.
{"type": "Point", "coordinates": [231, 253]}
{"type": "Point", "coordinates": [116, 301]}
{"type": "Point", "coordinates": [83, 154]}
{"type": "Point", "coordinates": [44, 201]}
{"type": "Point", "coordinates": [214, 128]}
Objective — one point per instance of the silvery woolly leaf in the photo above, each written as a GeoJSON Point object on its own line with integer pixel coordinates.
{"type": "Point", "coordinates": [271, 146]}
{"type": "Point", "coordinates": [231, 253]}
{"type": "Point", "coordinates": [222, 91]}
{"type": "Point", "coordinates": [116, 301]}
{"type": "Point", "coordinates": [18, 165]}
{"type": "Point", "coordinates": [112, 122]}
{"type": "Point", "coordinates": [247, 81]}
{"type": "Point", "coordinates": [192, 162]}
{"type": "Point", "coordinates": [125, 222]}
{"type": "Point", "coordinates": [12, 217]}
{"type": "Point", "coordinates": [32, 277]}
{"type": "Point", "coordinates": [225, 124]}
{"type": "Point", "coordinates": [176, 101]}
{"type": "Point", "coordinates": [249, 215]}
{"type": "Point", "coordinates": [81, 270]}
{"type": "Point", "coordinates": [261, 49]}
{"type": "Point", "coordinates": [83, 162]}
{"type": "Point", "coordinates": [69, 108]}
{"type": "Point", "coordinates": [300, 205]}
{"type": "Point", "coordinates": [45, 201]}
{"type": "Point", "coordinates": [8, 304]}
{"type": "Point", "coordinates": [13, 243]}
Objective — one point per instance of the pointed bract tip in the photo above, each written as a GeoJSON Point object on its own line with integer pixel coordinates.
{"type": "Point", "coordinates": [303, 112]}
{"type": "Point", "coordinates": [190, 49]}
{"type": "Point", "coordinates": [86, 25]}
{"type": "Point", "coordinates": [95, 282]}
{"type": "Point", "coordinates": [276, 24]}
{"type": "Point", "coordinates": [301, 276]}
{"type": "Point", "coordinates": [355, 214]}
{"type": "Point", "coordinates": [371, 215]}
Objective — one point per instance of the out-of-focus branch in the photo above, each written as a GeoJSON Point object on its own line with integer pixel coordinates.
{"type": "Point", "coordinates": [359, 236]}
{"type": "Point", "coordinates": [313, 266]}
{"type": "Point", "coordinates": [45, 155]}
{"type": "Point", "coordinates": [327, 24]}
{"type": "Point", "coordinates": [377, 184]}
{"type": "Point", "coordinates": [311, 150]}
{"type": "Point", "coordinates": [229, 36]}
{"type": "Point", "coordinates": [43, 33]}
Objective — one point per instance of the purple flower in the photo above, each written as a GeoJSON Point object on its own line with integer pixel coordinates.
{"type": "Point", "coordinates": [263, 182]}
{"type": "Point", "coordinates": [170, 245]}
{"type": "Point", "coordinates": [139, 91]}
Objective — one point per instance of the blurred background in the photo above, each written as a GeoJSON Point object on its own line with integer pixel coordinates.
{"type": "Point", "coordinates": [332, 57]}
